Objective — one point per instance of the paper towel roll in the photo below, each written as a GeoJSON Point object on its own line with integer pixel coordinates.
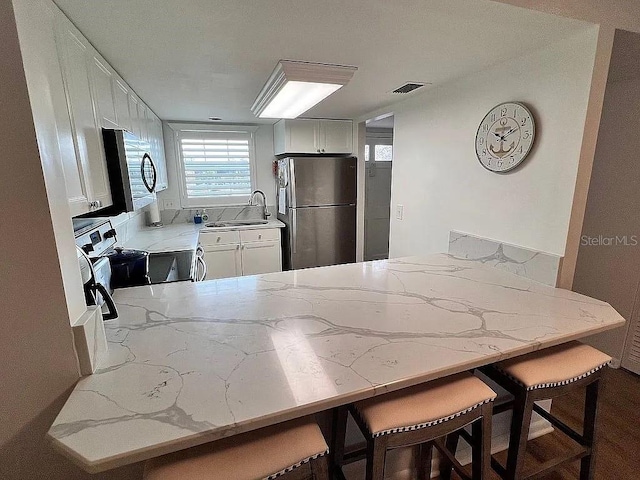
{"type": "Point", "coordinates": [153, 215]}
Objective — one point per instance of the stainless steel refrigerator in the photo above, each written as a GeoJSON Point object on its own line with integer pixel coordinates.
{"type": "Point", "coordinates": [317, 203]}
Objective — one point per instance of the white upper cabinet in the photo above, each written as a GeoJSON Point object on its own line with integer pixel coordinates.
{"type": "Point", "coordinates": [133, 115]}
{"type": "Point", "coordinates": [121, 99]}
{"type": "Point", "coordinates": [96, 97]}
{"type": "Point", "coordinates": [313, 136]}
{"type": "Point", "coordinates": [75, 58]}
{"type": "Point", "coordinates": [337, 136]}
{"type": "Point", "coordinates": [143, 121]}
{"type": "Point", "coordinates": [102, 79]}
{"type": "Point", "coordinates": [158, 154]}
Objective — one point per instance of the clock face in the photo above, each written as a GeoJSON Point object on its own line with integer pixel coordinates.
{"type": "Point", "coordinates": [505, 137]}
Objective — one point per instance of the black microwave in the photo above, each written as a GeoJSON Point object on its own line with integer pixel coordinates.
{"type": "Point", "coordinates": [132, 173]}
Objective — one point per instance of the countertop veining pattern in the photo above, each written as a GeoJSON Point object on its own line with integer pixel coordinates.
{"type": "Point", "coordinates": [193, 362]}
{"type": "Point", "coordinates": [179, 237]}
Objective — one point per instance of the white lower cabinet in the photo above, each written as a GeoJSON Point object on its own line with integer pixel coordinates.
{"type": "Point", "coordinates": [223, 261]}
{"type": "Point", "coordinates": [234, 254]}
{"type": "Point", "coordinates": [261, 257]}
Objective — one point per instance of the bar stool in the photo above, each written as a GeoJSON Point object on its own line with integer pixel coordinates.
{"type": "Point", "coordinates": [290, 451]}
{"type": "Point", "coordinates": [543, 375]}
{"type": "Point", "coordinates": [423, 415]}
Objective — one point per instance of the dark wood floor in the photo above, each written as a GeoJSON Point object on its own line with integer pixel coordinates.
{"type": "Point", "coordinates": [618, 455]}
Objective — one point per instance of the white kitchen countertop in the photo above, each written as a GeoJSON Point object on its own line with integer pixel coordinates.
{"type": "Point", "coordinates": [182, 236]}
{"type": "Point", "coordinates": [193, 362]}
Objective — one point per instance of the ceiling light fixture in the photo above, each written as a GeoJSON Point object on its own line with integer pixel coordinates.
{"type": "Point", "coordinates": [294, 87]}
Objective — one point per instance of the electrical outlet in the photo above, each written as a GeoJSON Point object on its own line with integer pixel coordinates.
{"type": "Point", "coordinates": [399, 211]}
{"type": "Point", "coordinates": [169, 204]}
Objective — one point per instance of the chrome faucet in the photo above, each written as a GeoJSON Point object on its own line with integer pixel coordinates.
{"type": "Point", "coordinates": [265, 210]}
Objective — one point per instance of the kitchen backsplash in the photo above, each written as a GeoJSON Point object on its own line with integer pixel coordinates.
{"type": "Point", "coordinates": [216, 214]}
{"type": "Point", "coordinates": [539, 266]}
{"type": "Point", "coordinates": [128, 224]}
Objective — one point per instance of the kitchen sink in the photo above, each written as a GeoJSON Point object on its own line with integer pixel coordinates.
{"type": "Point", "coordinates": [235, 223]}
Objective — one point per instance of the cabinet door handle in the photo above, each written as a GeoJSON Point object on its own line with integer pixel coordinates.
{"type": "Point", "coordinates": [318, 150]}
{"type": "Point", "coordinates": [323, 150]}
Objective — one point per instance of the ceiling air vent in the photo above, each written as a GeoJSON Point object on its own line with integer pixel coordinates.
{"type": "Point", "coordinates": [408, 87]}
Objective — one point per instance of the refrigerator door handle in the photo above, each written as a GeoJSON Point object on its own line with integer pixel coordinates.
{"type": "Point", "coordinates": [294, 229]}
{"type": "Point", "coordinates": [292, 183]}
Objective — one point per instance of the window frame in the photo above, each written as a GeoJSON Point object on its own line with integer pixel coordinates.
{"type": "Point", "coordinates": [203, 202]}
{"type": "Point", "coordinates": [378, 137]}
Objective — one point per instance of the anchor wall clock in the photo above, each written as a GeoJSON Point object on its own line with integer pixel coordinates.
{"type": "Point", "coordinates": [505, 137]}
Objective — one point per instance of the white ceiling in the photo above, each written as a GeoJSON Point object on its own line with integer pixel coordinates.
{"type": "Point", "coordinates": [193, 59]}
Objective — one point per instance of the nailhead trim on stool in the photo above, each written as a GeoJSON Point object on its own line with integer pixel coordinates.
{"type": "Point", "coordinates": [410, 428]}
{"type": "Point", "coordinates": [268, 453]}
{"type": "Point", "coordinates": [293, 467]}
{"type": "Point", "coordinates": [555, 384]}
{"type": "Point", "coordinates": [423, 415]}
{"type": "Point", "coordinates": [546, 374]}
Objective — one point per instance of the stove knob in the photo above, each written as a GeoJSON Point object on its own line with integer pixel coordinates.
{"type": "Point", "coordinates": [110, 233]}
{"type": "Point", "coordinates": [88, 248]}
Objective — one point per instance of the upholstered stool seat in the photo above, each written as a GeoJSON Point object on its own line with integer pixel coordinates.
{"type": "Point", "coordinates": [543, 375]}
{"type": "Point", "coordinates": [269, 453]}
{"type": "Point", "coordinates": [554, 366]}
{"type": "Point", "coordinates": [423, 405]}
{"type": "Point", "coordinates": [423, 415]}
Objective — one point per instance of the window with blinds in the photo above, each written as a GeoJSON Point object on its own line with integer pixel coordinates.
{"type": "Point", "coordinates": [216, 166]}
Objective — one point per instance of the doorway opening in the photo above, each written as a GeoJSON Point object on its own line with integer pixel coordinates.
{"type": "Point", "coordinates": [378, 155]}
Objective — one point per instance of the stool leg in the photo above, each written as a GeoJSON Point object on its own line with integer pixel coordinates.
{"type": "Point", "coordinates": [425, 454]}
{"type": "Point", "coordinates": [520, 423]}
{"type": "Point", "coordinates": [587, 464]}
{"type": "Point", "coordinates": [445, 465]}
{"type": "Point", "coordinates": [376, 454]}
{"type": "Point", "coordinates": [338, 432]}
{"type": "Point", "coordinates": [481, 448]}
{"type": "Point", "coordinates": [320, 468]}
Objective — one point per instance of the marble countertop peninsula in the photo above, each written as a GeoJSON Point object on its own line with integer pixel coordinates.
{"type": "Point", "coordinates": [179, 237]}
{"type": "Point", "coordinates": [190, 363]}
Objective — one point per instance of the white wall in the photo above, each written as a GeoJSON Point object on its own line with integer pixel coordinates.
{"type": "Point", "coordinates": [38, 359]}
{"type": "Point", "coordinates": [263, 142]}
{"type": "Point", "coordinates": [436, 175]}
{"type": "Point", "coordinates": [611, 272]}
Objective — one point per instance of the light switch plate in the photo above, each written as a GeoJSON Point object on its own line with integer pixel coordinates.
{"type": "Point", "coordinates": [399, 211]}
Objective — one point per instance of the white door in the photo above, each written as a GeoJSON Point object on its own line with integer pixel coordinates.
{"type": "Point", "coordinates": [87, 136]}
{"type": "Point", "coordinates": [261, 257]}
{"type": "Point", "coordinates": [378, 163]}
{"type": "Point", "coordinates": [223, 261]}
{"type": "Point", "coordinates": [336, 136]}
{"type": "Point", "coordinates": [302, 136]}
{"type": "Point", "coordinates": [121, 100]}
{"type": "Point", "coordinates": [102, 82]}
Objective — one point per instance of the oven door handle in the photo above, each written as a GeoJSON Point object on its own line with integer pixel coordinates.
{"type": "Point", "coordinates": [108, 300]}
{"type": "Point", "coordinates": [203, 264]}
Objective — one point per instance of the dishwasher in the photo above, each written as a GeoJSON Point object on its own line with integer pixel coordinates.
{"type": "Point", "coordinates": [165, 267]}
